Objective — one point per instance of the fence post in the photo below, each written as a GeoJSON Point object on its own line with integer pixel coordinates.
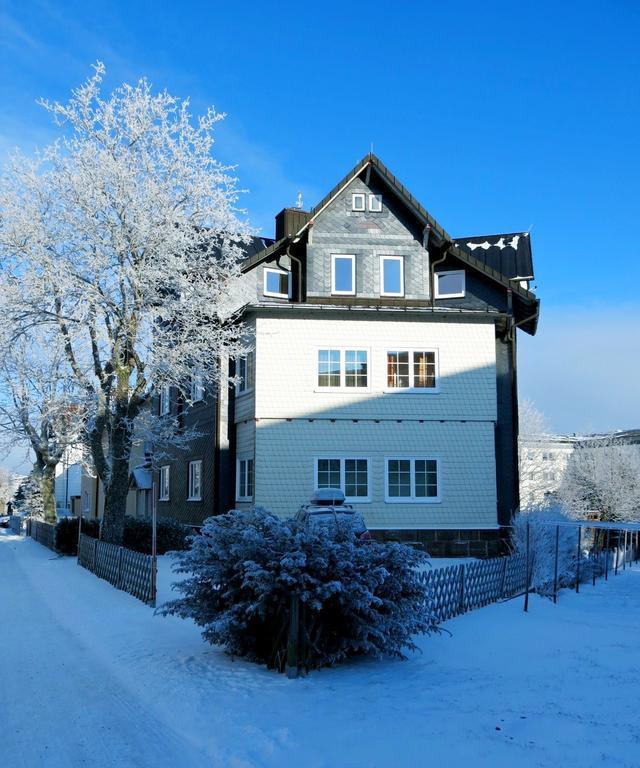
{"type": "Point", "coordinates": [79, 535]}
{"type": "Point", "coordinates": [527, 574]}
{"type": "Point", "coordinates": [95, 555]}
{"type": "Point", "coordinates": [595, 555]}
{"type": "Point", "coordinates": [579, 555]}
{"type": "Point", "coordinates": [504, 576]}
{"type": "Point", "coordinates": [120, 550]}
{"type": "Point", "coordinates": [606, 557]}
{"type": "Point", "coordinates": [293, 650]}
{"type": "Point", "coordinates": [555, 567]}
{"type": "Point", "coordinates": [154, 547]}
{"type": "Point", "coordinates": [461, 588]}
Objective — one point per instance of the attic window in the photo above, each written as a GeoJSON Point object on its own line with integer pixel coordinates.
{"type": "Point", "coordinates": [358, 201]}
{"type": "Point", "coordinates": [343, 274]}
{"type": "Point", "coordinates": [277, 283]}
{"type": "Point", "coordinates": [450, 285]}
{"type": "Point", "coordinates": [375, 203]}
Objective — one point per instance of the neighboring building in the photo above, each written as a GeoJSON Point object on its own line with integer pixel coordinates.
{"type": "Point", "coordinates": [385, 364]}
{"type": "Point", "coordinates": [543, 462]}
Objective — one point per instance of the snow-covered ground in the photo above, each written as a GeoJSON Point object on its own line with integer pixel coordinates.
{"type": "Point", "coordinates": [90, 677]}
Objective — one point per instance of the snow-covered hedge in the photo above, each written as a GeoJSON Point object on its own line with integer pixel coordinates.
{"type": "Point", "coordinates": [356, 598]}
{"type": "Point", "coordinates": [542, 547]}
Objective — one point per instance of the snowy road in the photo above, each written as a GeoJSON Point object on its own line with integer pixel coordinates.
{"type": "Point", "coordinates": [65, 708]}
{"type": "Point", "coordinates": [90, 677]}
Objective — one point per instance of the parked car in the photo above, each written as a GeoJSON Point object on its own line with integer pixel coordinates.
{"type": "Point", "coordinates": [327, 508]}
{"type": "Point", "coordinates": [4, 521]}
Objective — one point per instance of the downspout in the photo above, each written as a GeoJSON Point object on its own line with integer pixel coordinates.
{"type": "Point", "coordinates": [299, 263]}
{"type": "Point", "coordinates": [432, 275]}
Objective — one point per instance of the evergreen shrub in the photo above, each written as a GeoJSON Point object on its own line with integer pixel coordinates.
{"type": "Point", "coordinates": [355, 598]}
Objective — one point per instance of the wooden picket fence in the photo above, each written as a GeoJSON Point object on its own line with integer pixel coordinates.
{"type": "Point", "coordinates": [43, 533]}
{"type": "Point", "coordinates": [457, 589]}
{"type": "Point", "coordinates": [132, 572]}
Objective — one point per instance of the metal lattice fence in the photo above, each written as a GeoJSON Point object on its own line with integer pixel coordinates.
{"type": "Point", "coordinates": [130, 571]}
{"type": "Point", "coordinates": [457, 589]}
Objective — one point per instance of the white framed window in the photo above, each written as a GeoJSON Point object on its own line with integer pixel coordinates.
{"type": "Point", "coordinates": [343, 274]}
{"type": "Point", "coordinates": [343, 369]}
{"type": "Point", "coordinates": [164, 483]}
{"type": "Point", "coordinates": [246, 372]}
{"type": "Point", "coordinates": [244, 479]}
{"type": "Point", "coordinates": [450, 285]}
{"type": "Point", "coordinates": [412, 480]}
{"type": "Point", "coordinates": [350, 474]}
{"type": "Point", "coordinates": [412, 370]}
{"type": "Point", "coordinates": [277, 283]}
{"type": "Point", "coordinates": [358, 201]}
{"type": "Point", "coordinates": [375, 203]}
{"type": "Point", "coordinates": [165, 400]}
{"type": "Point", "coordinates": [392, 275]}
{"type": "Point", "coordinates": [195, 481]}
{"type": "Point", "coordinates": [197, 387]}
{"type": "Point", "coordinates": [547, 456]}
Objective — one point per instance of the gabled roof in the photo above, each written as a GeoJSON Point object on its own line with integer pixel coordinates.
{"type": "Point", "coordinates": [477, 258]}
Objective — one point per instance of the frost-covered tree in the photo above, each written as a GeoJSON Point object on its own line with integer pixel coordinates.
{"type": "Point", "coordinates": [7, 487]}
{"type": "Point", "coordinates": [531, 421]}
{"type": "Point", "coordinates": [40, 404]}
{"type": "Point", "coordinates": [602, 481]}
{"type": "Point", "coordinates": [28, 498]}
{"type": "Point", "coordinates": [125, 240]}
{"type": "Point", "coordinates": [542, 525]}
{"type": "Point", "coordinates": [356, 598]}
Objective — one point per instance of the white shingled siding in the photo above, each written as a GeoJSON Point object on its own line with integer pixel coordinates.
{"type": "Point", "coordinates": [285, 454]}
{"type": "Point", "coordinates": [286, 367]}
{"type": "Point", "coordinates": [296, 421]}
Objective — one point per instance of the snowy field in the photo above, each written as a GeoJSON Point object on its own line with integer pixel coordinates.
{"type": "Point", "coordinates": [90, 677]}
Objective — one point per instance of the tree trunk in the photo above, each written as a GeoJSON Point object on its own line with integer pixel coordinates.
{"type": "Point", "coordinates": [116, 491]}
{"type": "Point", "coordinates": [47, 485]}
{"type": "Point", "coordinates": [116, 485]}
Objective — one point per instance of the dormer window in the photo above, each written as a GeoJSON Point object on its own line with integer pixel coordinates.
{"type": "Point", "coordinates": [450, 285]}
{"type": "Point", "coordinates": [343, 274]}
{"type": "Point", "coordinates": [358, 201]}
{"type": "Point", "coordinates": [375, 203]}
{"type": "Point", "coordinates": [277, 283]}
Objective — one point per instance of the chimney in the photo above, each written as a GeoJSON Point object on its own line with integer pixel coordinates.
{"type": "Point", "coordinates": [289, 221]}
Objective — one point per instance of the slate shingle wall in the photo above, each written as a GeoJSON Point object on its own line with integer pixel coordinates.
{"type": "Point", "coordinates": [285, 468]}
{"type": "Point", "coordinates": [368, 235]}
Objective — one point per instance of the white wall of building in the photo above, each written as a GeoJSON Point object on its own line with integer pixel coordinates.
{"type": "Point", "coordinates": [297, 421]}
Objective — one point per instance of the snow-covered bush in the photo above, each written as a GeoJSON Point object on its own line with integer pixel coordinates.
{"type": "Point", "coordinates": [355, 598]}
{"type": "Point", "coordinates": [542, 547]}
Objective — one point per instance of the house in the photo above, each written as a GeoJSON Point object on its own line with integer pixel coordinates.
{"type": "Point", "coordinates": [384, 364]}
{"type": "Point", "coordinates": [543, 462]}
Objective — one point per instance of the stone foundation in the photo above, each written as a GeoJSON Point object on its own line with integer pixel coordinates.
{"type": "Point", "coordinates": [480, 543]}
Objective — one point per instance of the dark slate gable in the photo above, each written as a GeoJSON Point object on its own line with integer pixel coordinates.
{"type": "Point", "coordinates": [508, 254]}
{"type": "Point", "coordinates": [490, 261]}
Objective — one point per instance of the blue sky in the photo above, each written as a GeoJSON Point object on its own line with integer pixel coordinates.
{"type": "Point", "coordinates": [498, 116]}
